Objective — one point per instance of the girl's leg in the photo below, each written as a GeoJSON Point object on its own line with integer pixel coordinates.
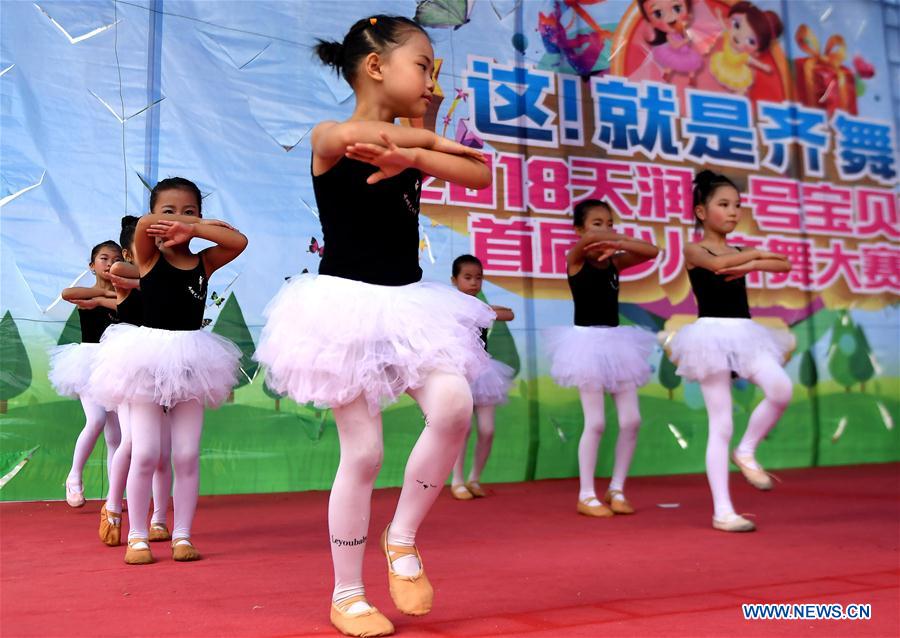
{"type": "Point", "coordinates": [629, 423]}
{"type": "Point", "coordinates": [145, 422]}
{"type": "Point", "coordinates": [118, 470]}
{"type": "Point", "coordinates": [594, 424]}
{"type": "Point", "coordinates": [113, 435]}
{"type": "Point", "coordinates": [162, 477]}
{"type": "Point", "coordinates": [95, 420]}
{"type": "Point", "coordinates": [776, 385]}
{"type": "Point", "coordinates": [186, 421]}
{"type": "Point", "coordinates": [456, 478]}
{"type": "Point", "coordinates": [484, 418]}
{"type": "Point", "coordinates": [111, 512]}
{"type": "Point", "coordinates": [446, 401]}
{"type": "Point", "coordinates": [717, 395]}
{"type": "Point", "coordinates": [350, 503]}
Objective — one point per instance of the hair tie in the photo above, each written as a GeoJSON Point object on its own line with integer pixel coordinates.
{"type": "Point", "coordinates": [372, 21]}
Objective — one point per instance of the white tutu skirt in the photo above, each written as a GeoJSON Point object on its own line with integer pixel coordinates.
{"type": "Point", "coordinates": [599, 358]}
{"type": "Point", "coordinates": [70, 368]}
{"type": "Point", "coordinates": [492, 386]}
{"type": "Point", "coordinates": [136, 364]}
{"type": "Point", "coordinates": [713, 345]}
{"type": "Point", "coordinates": [329, 340]}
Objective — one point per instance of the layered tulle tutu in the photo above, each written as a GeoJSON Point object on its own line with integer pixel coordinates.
{"type": "Point", "coordinates": [599, 358]}
{"type": "Point", "coordinates": [491, 387]}
{"type": "Point", "coordinates": [329, 340]}
{"type": "Point", "coordinates": [136, 364]}
{"type": "Point", "coordinates": [713, 345]}
{"type": "Point", "coordinates": [70, 368]}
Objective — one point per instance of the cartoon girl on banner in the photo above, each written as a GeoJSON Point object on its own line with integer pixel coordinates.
{"type": "Point", "coordinates": [673, 49]}
{"type": "Point", "coordinates": [714, 45]}
{"type": "Point", "coordinates": [748, 33]}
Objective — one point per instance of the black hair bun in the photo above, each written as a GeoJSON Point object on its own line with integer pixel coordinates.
{"type": "Point", "coordinates": [330, 52]}
{"type": "Point", "coordinates": [129, 220]}
{"type": "Point", "coordinates": [705, 177]}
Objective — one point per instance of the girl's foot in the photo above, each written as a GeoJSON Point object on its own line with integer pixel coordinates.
{"type": "Point", "coordinates": [110, 527]}
{"type": "Point", "coordinates": [183, 551]}
{"type": "Point", "coordinates": [369, 622]}
{"type": "Point", "coordinates": [475, 488]}
{"type": "Point", "coordinates": [413, 595]}
{"type": "Point", "coordinates": [617, 502]}
{"type": "Point", "coordinates": [753, 472]}
{"type": "Point", "coordinates": [733, 523]}
{"type": "Point", "coordinates": [593, 507]}
{"type": "Point", "coordinates": [74, 494]}
{"type": "Point", "coordinates": [159, 532]}
{"type": "Point", "coordinates": [461, 493]}
{"type": "Point", "coordinates": [138, 552]}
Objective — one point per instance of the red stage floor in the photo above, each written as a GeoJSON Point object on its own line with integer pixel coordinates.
{"type": "Point", "coordinates": [520, 563]}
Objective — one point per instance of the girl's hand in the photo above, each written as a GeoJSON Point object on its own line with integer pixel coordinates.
{"type": "Point", "coordinates": [86, 304]}
{"type": "Point", "coordinates": [736, 272]}
{"type": "Point", "coordinates": [444, 145]}
{"type": "Point", "coordinates": [601, 251]}
{"type": "Point", "coordinates": [390, 159]}
{"type": "Point", "coordinates": [124, 283]}
{"type": "Point", "coordinates": [172, 232]}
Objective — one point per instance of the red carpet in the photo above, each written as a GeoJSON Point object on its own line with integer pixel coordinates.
{"type": "Point", "coordinates": [520, 563]}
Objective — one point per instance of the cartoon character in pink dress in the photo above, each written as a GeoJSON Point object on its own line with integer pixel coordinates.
{"type": "Point", "coordinates": [673, 49]}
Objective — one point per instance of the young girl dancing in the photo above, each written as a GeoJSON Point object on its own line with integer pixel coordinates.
{"type": "Point", "coordinates": [597, 355]}
{"type": "Point", "coordinates": [725, 341]}
{"type": "Point", "coordinates": [490, 389]}
{"type": "Point", "coordinates": [125, 278]}
{"type": "Point", "coordinates": [70, 365]}
{"type": "Point", "coordinates": [366, 330]}
{"type": "Point", "coordinates": [170, 362]}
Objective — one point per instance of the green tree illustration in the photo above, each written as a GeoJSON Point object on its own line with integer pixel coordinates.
{"type": "Point", "coordinates": [15, 368]}
{"type": "Point", "coordinates": [71, 332]}
{"type": "Point", "coordinates": [232, 326]}
{"type": "Point", "coordinates": [861, 366]}
{"type": "Point", "coordinates": [668, 378]}
{"type": "Point", "coordinates": [841, 350]}
{"type": "Point", "coordinates": [502, 346]}
{"type": "Point", "coordinates": [269, 392]}
{"type": "Point", "coordinates": [809, 373]}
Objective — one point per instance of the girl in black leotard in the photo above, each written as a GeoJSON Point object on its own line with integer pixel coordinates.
{"type": "Point", "coordinates": [366, 329]}
{"type": "Point", "coordinates": [725, 341]}
{"type": "Point", "coordinates": [70, 365]}
{"type": "Point", "coordinates": [130, 310]}
{"type": "Point", "coordinates": [597, 355]}
{"type": "Point", "coordinates": [169, 362]}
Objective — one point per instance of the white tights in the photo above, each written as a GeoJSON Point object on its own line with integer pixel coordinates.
{"type": "Point", "coordinates": [97, 420]}
{"type": "Point", "coordinates": [716, 388]}
{"type": "Point", "coordinates": [446, 401]}
{"type": "Point", "coordinates": [146, 424]}
{"type": "Point", "coordinates": [592, 403]}
{"type": "Point", "coordinates": [162, 475]}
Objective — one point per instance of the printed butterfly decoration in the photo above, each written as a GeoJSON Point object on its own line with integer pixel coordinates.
{"type": "Point", "coordinates": [443, 14]}
{"type": "Point", "coordinates": [216, 299]}
{"type": "Point", "coordinates": [315, 247]}
{"type": "Point", "coordinates": [206, 322]}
